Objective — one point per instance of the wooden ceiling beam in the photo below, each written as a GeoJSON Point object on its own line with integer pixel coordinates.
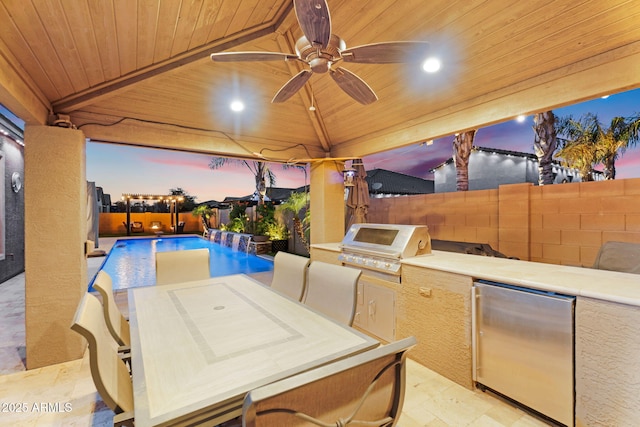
{"type": "Point", "coordinates": [87, 97]}
{"type": "Point", "coordinates": [143, 133]}
{"type": "Point", "coordinates": [19, 93]}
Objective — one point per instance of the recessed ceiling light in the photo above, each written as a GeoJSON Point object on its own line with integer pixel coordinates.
{"type": "Point", "coordinates": [521, 118]}
{"type": "Point", "coordinates": [237, 106]}
{"type": "Point", "coordinates": [431, 65]}
{"type": "Point", "coordinates": [605, 97]}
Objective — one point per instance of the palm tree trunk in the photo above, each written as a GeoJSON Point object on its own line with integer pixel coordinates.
{"type": "Point", "coordinates": [609, 167]}
{"type": "Point", "coordinates": [462, 145]}
{"type": "Point", "coordinates": [299, 229]}
{"type": "Point", "coordinates": [545, 145]}
{"type": "Point", "coordinates": [261, 186]}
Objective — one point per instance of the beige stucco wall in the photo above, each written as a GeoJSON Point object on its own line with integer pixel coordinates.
{"type": "Point", "coordinates": [330, 257]}
{"type": "Point", "coordinates": [556, 224]}
{"type": "Point", "coordinates": [607, 363]}
{"type": "Point", "coordinates": [326, 202]}
{"type": "Point", "coordinates": [435, 307]}
{"type": "Point", "coordinates": [55, 194]}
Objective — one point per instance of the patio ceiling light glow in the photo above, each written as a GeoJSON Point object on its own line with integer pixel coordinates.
{"type": "Point", "coordinates": [431, 65]}
{"type": "Point", "coordinates": [237, 106]}
{"type": "Point", "coordinates": [521, 118]}
{"type": "Point", "coordinates": [171, 198]}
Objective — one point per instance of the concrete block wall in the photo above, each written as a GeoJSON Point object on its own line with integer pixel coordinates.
{"type": "Point", "coordinates": [558, 224]}
{"type": "Point", "coordinates": [570, 222]}
{"type": "Point", "coordinates": [470, 216]}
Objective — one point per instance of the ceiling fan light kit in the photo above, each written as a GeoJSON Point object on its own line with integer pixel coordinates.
{"type": "Point", "coordinates": [321, 50]}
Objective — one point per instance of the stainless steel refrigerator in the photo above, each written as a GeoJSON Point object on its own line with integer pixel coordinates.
{"type": "Point", "coordinates": [524, 347]}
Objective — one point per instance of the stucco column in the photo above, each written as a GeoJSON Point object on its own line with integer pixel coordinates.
{"type": "Point", "coordinates": [55, 193]}
{"type": "Point", "coordinates": [327, 202]}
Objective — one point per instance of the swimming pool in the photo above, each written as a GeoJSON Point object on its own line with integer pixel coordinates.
{"type": "Point", "coordinates": [131, 262]}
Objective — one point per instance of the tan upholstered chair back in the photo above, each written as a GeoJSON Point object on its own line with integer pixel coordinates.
{"type": "Point", "coordinates": [110, 374]}
{"type": "Point", "coordinates": [182, 266]}
{"type": "Point", "coordinates": [332, 290]}
{"type": "Point", "coordinates": [290, 274]}
{"type": "Point", "coordinates": [619, 256]}
{"type": "Point", "coordinates": [368, 387]}
{"type": "Point", "coordinates": [116, 323]}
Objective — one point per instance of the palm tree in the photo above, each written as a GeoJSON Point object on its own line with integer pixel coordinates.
{"type": "Point", "coordinates": [205, 212]}
{"type": "Point", "coordinates": [259, 169]}
{"type": "Point", "coordinates": [296, 203]}
{"type": "Point", "coordinates": [581, 156]}
{"type": "Point", "coordinates": [462, 145]}
{"type": "Point", "coordinates": [613, 141]}
{"type": "Point", "coordinates": [544, 145]}
{"type": "Point", "coordinates": [589, 138]}
{"type": "Point", "coordinates": [578, 148]}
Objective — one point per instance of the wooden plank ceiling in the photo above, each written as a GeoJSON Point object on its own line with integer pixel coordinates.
{"type": "Point", "coordinates": [143, 68]}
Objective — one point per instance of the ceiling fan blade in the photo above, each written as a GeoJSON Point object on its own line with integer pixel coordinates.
{"type": "Point", "coordinates": [313, 17]}
{"type": "Point", "coordinates": [387, 52]}
{"type": "Point", "coordinates": [292, 86]}
{"type": "Point", "coordinates": [252, 56]}
{"type": "Point", "coordinates": [354, 86]}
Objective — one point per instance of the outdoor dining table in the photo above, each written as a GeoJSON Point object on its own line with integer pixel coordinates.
{"type": "Point", "coordinates": [198, 347]}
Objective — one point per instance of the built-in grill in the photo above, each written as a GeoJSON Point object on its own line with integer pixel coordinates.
{"type": "Point", "coordinates": [381, 247]}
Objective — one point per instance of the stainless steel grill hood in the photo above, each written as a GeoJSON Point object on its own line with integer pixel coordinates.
{"type": "Point", "coordinates": [381, 247]}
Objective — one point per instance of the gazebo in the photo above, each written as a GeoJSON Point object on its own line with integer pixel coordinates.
{"type": "Point", "coordinates": [173, 205]}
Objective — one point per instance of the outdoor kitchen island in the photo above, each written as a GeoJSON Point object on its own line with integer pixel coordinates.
{"type": "Point", "coordinates": [433, 302]}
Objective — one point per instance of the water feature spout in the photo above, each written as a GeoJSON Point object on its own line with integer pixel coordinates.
{"type": "Point", "coordinates": [235, 242]}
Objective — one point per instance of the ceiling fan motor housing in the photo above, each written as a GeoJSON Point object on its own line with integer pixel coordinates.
{"type": "Point", "coordinates": [320, 59]}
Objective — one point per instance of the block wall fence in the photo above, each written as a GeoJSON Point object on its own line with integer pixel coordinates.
{"type": "Point", "coordinates": [556, 224]}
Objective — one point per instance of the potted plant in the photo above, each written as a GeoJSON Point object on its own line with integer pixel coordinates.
{"type": "Point", "coordinates": [279, 236]}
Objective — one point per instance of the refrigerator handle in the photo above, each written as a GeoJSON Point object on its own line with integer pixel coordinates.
{"type": "Point", "coordinates": [474, 343]}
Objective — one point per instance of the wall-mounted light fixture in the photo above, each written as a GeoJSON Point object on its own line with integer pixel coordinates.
{"type": "Point", "coordinates": [349, 174]}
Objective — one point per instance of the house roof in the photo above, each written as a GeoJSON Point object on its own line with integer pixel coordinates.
{"type": "Point", "coordinates": [383, 181]}
{"type": "Point", "coordinates": [274, 194]}
{"type": "Point", "coordinates": [529, 156]}
{"type": "Point", "coordinates": [214, 204]}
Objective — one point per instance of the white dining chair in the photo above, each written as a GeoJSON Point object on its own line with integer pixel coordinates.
{"type": "Point", "coordinates": [182, 266]}
{"type": "Point", "coordinates": [116, 322]}
{"type": "Point", "coordinates": [290, 274]}
{"type": "Point", "coordinates": [110, 374]}
{"type": "Point", "coordinates": [366, 389]}
{"type": "Point", "coordinates": [332, 290]}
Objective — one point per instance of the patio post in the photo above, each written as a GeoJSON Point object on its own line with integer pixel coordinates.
{"type": "Point", "coordinates": [55, 263]}
{"type": "Point", "coordinates": [327, 201]}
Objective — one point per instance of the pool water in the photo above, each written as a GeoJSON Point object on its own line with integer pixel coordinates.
{"type": "Point", "coordinates": [131, 262]}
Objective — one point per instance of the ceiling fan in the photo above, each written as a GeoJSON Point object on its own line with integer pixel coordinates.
{"type": "Point", "coordinates": [321, 51]}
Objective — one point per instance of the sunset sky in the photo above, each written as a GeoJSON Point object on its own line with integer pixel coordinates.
{"type": "Point", "coordinates": [123, 169]}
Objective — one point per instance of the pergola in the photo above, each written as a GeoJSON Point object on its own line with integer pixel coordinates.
{"type": "Point", "coordinates": [172, 199]}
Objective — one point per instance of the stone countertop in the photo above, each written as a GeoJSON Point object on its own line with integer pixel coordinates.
{"type": "Point", "coordinates": [335, 247]}
{"type": "Point", "coordinates": [605, 285]}
{"type": "Point", "coordinates": [579, 281]}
